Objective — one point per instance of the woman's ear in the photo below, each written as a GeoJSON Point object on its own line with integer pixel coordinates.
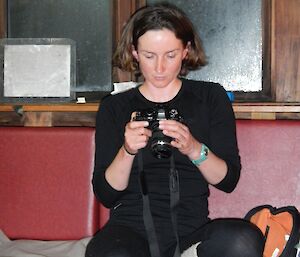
{"type": "Point", "coordinates": [135, 53]}
{"type": "Point", "coordinates": [186, 50]}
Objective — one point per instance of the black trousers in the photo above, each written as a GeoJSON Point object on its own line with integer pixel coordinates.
{"type": "Point", "coordinates": [219, 238]}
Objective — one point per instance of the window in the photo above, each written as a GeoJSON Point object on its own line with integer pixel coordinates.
{"type": "Point", "coordinates": [232, 34]}
{"type": "Point", "coordinates": [88, 23]}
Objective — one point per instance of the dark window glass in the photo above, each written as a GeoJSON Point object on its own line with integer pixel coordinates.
{"type": "Point", "coordinates": [231, 33]}
{"type": "Point", "coordinates": [87, 22]}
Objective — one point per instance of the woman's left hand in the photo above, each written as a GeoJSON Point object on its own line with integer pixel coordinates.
{"type": "Point", "coordinates": [213, 169]}
{"type": "Point", "coordinates": [183, 140]}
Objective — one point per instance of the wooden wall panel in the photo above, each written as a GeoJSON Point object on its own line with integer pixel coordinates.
{"type": "Point", "coordinates": [2, 18]}
{"type": "Point", "coordinates": [123, 9]}
{"type": "Point", "coordinates": [286, 50]}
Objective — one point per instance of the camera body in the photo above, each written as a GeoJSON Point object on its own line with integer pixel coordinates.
{"type": "Point", "coordinates": [160, 144]}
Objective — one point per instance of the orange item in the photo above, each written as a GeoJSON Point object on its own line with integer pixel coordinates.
{"type": "Point", "coordinates": [280, 227]}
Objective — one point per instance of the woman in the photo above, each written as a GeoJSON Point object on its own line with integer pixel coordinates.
{"type": "Point", "coordinates": [160, 42]}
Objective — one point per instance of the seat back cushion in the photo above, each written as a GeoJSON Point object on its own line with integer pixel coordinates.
{"type": "Point", "coordinates": [270, 157]}
{"type": "Point", "coordinates": [45, 185]}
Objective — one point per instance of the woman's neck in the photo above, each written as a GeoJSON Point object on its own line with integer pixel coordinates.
{"type": "Point", "coordinates": [160, 94]}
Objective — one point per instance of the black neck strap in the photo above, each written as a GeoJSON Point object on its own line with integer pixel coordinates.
{"type": "Point", "coordinates": [174, 200]}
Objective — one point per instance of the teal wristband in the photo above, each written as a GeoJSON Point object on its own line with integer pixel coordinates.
{"type": "Point", "coordinates": [203, 155]}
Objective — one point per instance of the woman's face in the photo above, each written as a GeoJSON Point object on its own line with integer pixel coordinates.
{"type": "Point", "coordinates": [160, 56]}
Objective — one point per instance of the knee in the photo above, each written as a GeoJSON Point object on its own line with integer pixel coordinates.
{"type": "Point", "coordinates": [116, 252]}
{"type": "Point", "coordinates": [119, 252]}
{"type": "Point", "coordinates": [100, 246]}
{"type": "Point", "coordinates": [247, 240]}
{"type": "Point", "coordinates": [238, 237]}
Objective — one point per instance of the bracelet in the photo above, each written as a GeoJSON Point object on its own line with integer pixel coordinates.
{"type": "Point", "coordinates": [128, 151]}
{"type": "Point", "coordinates": [203, 155]}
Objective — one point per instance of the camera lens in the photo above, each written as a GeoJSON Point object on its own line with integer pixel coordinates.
{"type": "Point", "coordinates": [160, 144]}
{"type": "Point", "coordinates": [161, 149]}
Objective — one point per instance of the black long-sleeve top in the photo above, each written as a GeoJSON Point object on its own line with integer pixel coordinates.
{"type": "Point", "coordinates": [208, 113]}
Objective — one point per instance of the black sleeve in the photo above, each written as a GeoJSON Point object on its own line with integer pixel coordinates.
{"type": "Point", "coordinates": [108, 140]}
{"type": "Point", "coordinates": [223, 136]}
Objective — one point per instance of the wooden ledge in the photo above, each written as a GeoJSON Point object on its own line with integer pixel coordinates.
{"type": "Point", "coordinates": [266, 107]}
{"type": "Point", "coordinates": [66, 107]}
{"type": "Point", "coordinates": [72, 114]}
{"type": "Point", "coordinates": [93, 107]}
{"type": "Point", "coordinates": [269, 111]}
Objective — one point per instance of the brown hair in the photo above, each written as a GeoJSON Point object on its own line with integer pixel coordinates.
{"type": "Point", "coordinates": [157, 17]}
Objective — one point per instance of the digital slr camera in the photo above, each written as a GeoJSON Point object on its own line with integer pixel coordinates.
{"type": "Point", "coordinates": [160, 144]}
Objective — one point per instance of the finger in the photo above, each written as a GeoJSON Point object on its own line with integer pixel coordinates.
{"type": "Point", "coordinates": [172, 125]}
{"type": "Point", "coordinates": [176, 144]}
{"type": "Point", "coordinates": [177, 135]}
{"type": "Point", "coordinates": [138, 124]}
{"type": "Point", "coordinates": [134, 143]}
{"type": "Point", "coordinates": [135, 138]}
{"type": "Point", "coordinates": [140, 131]}
{"type": "Point", "coordinates": [133, 115]}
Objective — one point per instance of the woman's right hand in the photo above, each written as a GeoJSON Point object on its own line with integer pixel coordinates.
{"type": "Point", "coordinates": [136, 136]}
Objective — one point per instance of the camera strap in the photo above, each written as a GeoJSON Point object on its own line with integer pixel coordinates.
{"type": "Point", "coordinates": [147, 216]}
{"type": "Point", "coordinates": [174, 201]}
